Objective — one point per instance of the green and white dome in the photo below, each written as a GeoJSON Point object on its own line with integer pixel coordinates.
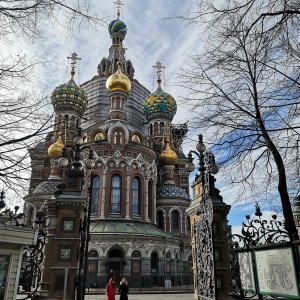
{"type": "Point", "coordinates": [160, 102]}
{"type": "Point", "coordinates": [117, 26]}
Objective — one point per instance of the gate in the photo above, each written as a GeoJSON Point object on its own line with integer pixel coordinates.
{"type": "Point", "coordinates": [204, 252]}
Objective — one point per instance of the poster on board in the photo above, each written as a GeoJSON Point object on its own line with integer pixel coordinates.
{"type": "Point", "coordinates": [276, 272]}
{"type": "Point", "coordinates": [246, 271]}
{"type": "Point", "coordinates": [4, 272]}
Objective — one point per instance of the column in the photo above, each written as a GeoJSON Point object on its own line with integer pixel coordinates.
{"type": "Point", "coordinates": [102, 216]}
{"type": "Point", "coordinates": [147, 199]}
{"type": "Point", "coordinates": [127, 194]}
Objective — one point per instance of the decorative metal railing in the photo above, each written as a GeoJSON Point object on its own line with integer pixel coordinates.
{"type": "Point", "coordinates": [254, 232]}
{"type": "Point", "coordinates": [33, 255]}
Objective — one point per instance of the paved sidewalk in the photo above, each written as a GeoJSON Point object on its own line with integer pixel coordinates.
{"type": "Point", "coordinates": [142, 296]}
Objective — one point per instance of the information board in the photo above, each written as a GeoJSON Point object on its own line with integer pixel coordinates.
{"type": "Point", "coordinates": [276, 272]}
{"type": "Point", "coordinates": [246, 271]}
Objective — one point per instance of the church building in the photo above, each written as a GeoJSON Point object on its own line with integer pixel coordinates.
{"type": "Point", "coordinates": [138, 189]}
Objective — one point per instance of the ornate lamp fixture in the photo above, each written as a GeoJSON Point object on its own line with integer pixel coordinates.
{"type": "Point", "coordinates": [206, 160]}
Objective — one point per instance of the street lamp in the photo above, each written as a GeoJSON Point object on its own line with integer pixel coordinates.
{"type": "Point", "coordinates": [73, 156]}
{"type": "Point", "coordinates": [204, 252]}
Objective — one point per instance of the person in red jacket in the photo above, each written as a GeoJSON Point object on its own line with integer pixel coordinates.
{"type": "Point", "coordinates": [110, 290]}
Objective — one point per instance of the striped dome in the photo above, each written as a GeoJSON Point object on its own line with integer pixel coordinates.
{"type": "Point", "coordinates": [117, 26]}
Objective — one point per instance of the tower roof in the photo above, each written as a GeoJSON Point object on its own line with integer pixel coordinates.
{"type": "Point", "coordinates": [159, 102]}
{"type": "Point", "coordinates": [69, 95]}
{"type": "Point", "coordinates": [118, 81]}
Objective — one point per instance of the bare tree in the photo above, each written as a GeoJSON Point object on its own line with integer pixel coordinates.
{"type": "Point", "coordinates": [24, 113]}
{"type": "Point", "coordinates": [244, 90]}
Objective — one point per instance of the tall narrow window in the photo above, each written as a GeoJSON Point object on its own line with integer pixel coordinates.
{"type": "Point", "coordinates": [135, 196]}
{"type": "Point", "coordinates": [161, 127]}
{"type": "Point", "coordinates": [160, 220]}
{"type": "Point", "coordinates": [95, 194]}
{"type": "Point", "coordinates": [115, 195]}
{"type": "Point", "coordinates": [175, 220]}
{"type": "Point", "coordinates": [150, 196]}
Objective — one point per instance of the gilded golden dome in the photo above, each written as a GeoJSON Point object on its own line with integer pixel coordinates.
{"type": "Point", "coordinates": [168, 156]}
{"type": "Point", "coordinates": [55, 150]}
{"type": "Point", "coordinates": [118, 81]}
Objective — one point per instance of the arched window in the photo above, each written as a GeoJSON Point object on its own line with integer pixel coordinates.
{"type": "Point", "coordinates": [160, 220]}
{"type": "Point", "coordinates": [151, 129]}
{"type": "Point", "coordinates": [115, 194]}
{"type": "Point", "coordinates": [118, 138]}
{"type": "Point", "coordinates": [175, 220]}
{"type": "Point", "coordinates": [154, 262]}
{"type": "Point", "coordinates": [136, 261]}
{"type": "Point", "coordinates": [161, 127]}
{"type": "Point", "coordinates": [168, 262]}
{"type": "Point", "coordinates": [188, 223]}
{"type": "Point", "coordinates": [150, 196]}
{"type": "Point", "coordinates": [135, 196]}
{"type": "Point", "coordinates": [93, 263]}
{"type": "Point", "coordinates": [95, 194]}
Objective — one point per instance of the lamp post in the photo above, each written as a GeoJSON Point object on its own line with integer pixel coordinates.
{"type": "Point", "coordinates": [73, 157]}
{"type": "Point", "coordinates": [204, 252]}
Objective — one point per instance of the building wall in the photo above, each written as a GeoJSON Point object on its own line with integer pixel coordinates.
{"type": "Point", "coordinates": [12, 242]}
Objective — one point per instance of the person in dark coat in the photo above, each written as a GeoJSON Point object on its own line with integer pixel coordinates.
{"type": "Point", "coordinates": [110, 290]}
{"type": "Point", "coordinates": [123, 289]}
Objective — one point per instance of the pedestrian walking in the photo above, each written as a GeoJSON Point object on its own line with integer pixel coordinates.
{"type": "Point", "coordinates": [110, 290]}
{"type": "Point", "coordinates": [123, 289]}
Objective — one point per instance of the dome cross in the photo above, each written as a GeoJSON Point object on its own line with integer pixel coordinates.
{"type": "Point", "coordinates": [159, 68]}
{"type": "Point", "coordinates": [118, 4]}
{"type": "Point", "coordinates": [74, 59]}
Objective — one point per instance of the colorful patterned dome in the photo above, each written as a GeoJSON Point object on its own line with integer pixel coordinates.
{"type": "Point", "coordinates": [117, 26]}
{"type": "Point", "coordinates": [118, 81]}
{"type": "Point", "coordinates": [69, 95]}
{"type": "Point", "coordinates": [160, 102]}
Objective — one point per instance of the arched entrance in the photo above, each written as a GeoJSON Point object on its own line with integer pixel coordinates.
{"type": "Point", "coordinates": [115, 264]}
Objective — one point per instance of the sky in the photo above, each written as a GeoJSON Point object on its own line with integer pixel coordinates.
{"type": "Point", "coordinates": [152, 36]}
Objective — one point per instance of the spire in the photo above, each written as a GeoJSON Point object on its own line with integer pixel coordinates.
{"type": "Point", "coordinates": [159, 68]}
{"type": "Point", "coordinates": [118, 5]}
{"type": "Point", "coordinates": [74, 59]}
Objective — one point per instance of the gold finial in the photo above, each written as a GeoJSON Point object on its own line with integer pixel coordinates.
{"type": "Point", "coordinates": [118, 4]}
{"type": "Point", "coordinates": [55, 150]}
{"type": "Point", "coordinates": [74, 59]}
{"type": "Point", "coordinates": [159, 68]}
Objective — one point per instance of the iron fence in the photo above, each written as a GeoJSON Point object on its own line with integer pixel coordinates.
{"type": "Point", "coordinates": [142, 281]}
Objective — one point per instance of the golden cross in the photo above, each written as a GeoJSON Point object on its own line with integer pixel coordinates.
{"type": "Point", "coordinates": [74, 59]}
{"type": "Point", "coordinates": [118, 4]}
{"type": "Point", "coordinates": [159, 68]}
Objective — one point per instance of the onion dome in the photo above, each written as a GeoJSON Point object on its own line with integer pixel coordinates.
{"type": "Point", "coordinates": [69, 95]}
{"type": "Point", "coordinates": [55, 150]}
{"type": "Point", "coordinates": [117, 26]}
{"type": "Point", "coordinates": [118, 81]}
{"type": "Point", "coordinates": [160, 102]}
{"type": "Point", "coordinates": [168, 156]}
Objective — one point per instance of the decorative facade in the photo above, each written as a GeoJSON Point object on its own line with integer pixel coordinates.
{"type": "Point", "coordinates": [138, 189]}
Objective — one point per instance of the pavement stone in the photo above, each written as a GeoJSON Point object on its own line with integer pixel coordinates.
{"type": "Point", "coordinates": [143, 296]}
